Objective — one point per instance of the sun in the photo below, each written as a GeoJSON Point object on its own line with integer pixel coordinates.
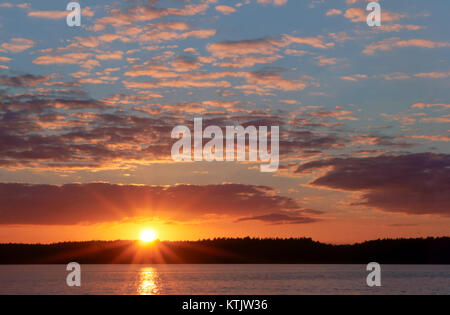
{"type": "Point", "coordinates": [148, 236]}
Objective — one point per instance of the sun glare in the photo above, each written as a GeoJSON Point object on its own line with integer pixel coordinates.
{"type": "Point", "coordinates": [148, 236]}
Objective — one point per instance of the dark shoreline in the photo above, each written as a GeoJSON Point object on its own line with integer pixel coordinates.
{"type": "Point", "coordinates": [417, 251]}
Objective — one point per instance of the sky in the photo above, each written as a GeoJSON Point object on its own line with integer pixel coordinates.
{"type": "Point", "coordinates": [86, 115]}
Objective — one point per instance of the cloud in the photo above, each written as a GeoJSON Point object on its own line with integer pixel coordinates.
{"type": "Point", "coordinates": [409, 183]}
{"type": "Point", "coordinates": [262, 81]}
{"type": "Point", "coordinates": [399, 27]}
{"type": "Point", "coordinates": [81, 59]}
{"type": "Point", "coordinates": [333, 12]}
{"type": "Point", "coordinates": [274, 2]}
{"type": "Point", "coordinates": [379, 140]}
{"type": "Point", "coordinates": [246, 53]}
{"type": "Point", "coordinates": [266, 80]}
{"type": "Point", "coordinates": [316, 42]}
{"type": "Point", "coordinates": [395, 42]}
{"type": "Point", "coordinates": [53, 15]}
{"type": "Point", "coordinates": [437, 120]}
{"type": "Point", "coordinates": [248, 61]}
{"type": "Point", "coordinates": [242, 52]}
{"type": "Point", "coordinates": [56, 15]}
{"type": "Point", "coordinates": [60, 129]}
{"type": "Point", "coordinates": [101, 202]}
{"type": "Point", "coordinates": [324, 61]}
{"type": "Point", "coordinates": [17, 45]}
{"type": "Point", "coordinates": [405, 76]}
{"type": "Point", "coordinates": [232, 49]}
{"type": "Point", "coordinates": [432, 75]}
{"type": "Point", "coordinates": [56, 128]}
{"type": "Point", "coordinates": [5, 59]}
{"type": "Point", "coordinates": [423, 105]}
{"type": "Point", "coordinates": [141, 13]}
{"type": "Point", "coordinates": [224, 9]}
{"type": "Point", "coordinates": [355, 77]}
{"type": "Point", "coordinates": [116, 55]}
{"type": "Point", "coordinates": [360, 15]}
{"type": "Point", "coordinates": [278, 218]}
{"type": "Point", "coordinates": [185, 63]}
{"type": "Point", "coordinates": [25, 6]}
{"type": "Point", "coordinates": [441, 138]}
{"type": "Point", "coordinates": [25, 81]}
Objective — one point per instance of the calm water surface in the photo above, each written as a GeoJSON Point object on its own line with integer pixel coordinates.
{"type": "Point", "coordinates": [224, 279]}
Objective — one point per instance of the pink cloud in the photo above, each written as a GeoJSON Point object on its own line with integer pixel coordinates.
{"type": "Point", "coordinates": [316, 42]}
{"type": "Point", "coordinates": [17, 45]}
{"type": "Point", "coordinates": [423, 105]}
{"type": "Point", "coordinates": [390, 43]}
{"type": "Point", "coordinates": [324, 61]}
{"type": "Point", "coordinates": [333, 12]}
{"type": "Point", "coordinates": [360, 15]}
{"type": "Point", "coordinates": [224, 9]}
{"type": "Point", "coordinates": [354, 78]}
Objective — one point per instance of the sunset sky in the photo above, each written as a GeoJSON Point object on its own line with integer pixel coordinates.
{"type": "Point", "coordinates": [86, 115]}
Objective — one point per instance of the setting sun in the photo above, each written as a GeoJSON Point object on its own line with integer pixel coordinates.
{"type": "Point", "coordinates": [148, 236]}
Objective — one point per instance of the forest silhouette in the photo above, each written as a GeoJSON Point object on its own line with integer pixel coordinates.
{"type": "Point", "coordinates": [231, 251]}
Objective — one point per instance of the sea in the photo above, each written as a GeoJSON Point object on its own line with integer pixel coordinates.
{"type": "Point", "coordinates": [225, 280]}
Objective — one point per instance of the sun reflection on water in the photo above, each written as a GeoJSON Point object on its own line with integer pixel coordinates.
{"type": "Point", "coordinates": [149, 282]}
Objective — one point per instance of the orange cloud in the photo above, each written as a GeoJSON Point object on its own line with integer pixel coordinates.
{"type": "Point", "coordinates": [316, 42]}
{"type": "Point", "coordinates": [56, 15]}
{"type": "Point", "coordinates": [438, 120]}
{"type": "Point", "coordinates": [422, 105]}
{"type": "Point", "coordinates": [224, 9]}
{"type": "Point", "coordinates": [145, 13]}
{"type": "Point", "coordinates": [117, 55]}
{"type": "Point", "coordinates": [441, 138]}
{"type": "Point", "coordinates": [354, 78]}
{"type": "Point", "coordinates": [17, 45]}
{"type": "Point", "coordinates": [399, 27]}
{"type": "Point", "coordinates": [5, 59]}
{"type": "Point", "coordinates": [74, 58]}
{"type": "Point", "coordinates": [231, 49]}
{"type": "Point", "coordinates": [53, 15]}
{"type": "Point", "coordinates": [390, 43]}
{"type": "Point", "coordinates": [68, 59]}
{"type": "Point", "coordinates": [432, 75]}
{"type": "Point", "coordinates": [324, 61]}
{"type": "Point", "coordinates": [360, 15]}
{"type": "Point", "coordinates": [333, 12]}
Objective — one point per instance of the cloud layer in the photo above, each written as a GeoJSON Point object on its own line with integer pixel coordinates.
{"type": "Point", "coordinates": [100, 202]}
{"type": "Point", "coordinates": [411, 183]}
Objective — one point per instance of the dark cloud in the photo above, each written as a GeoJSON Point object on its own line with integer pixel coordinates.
{"type": "Point", "coordinates": [382, 141]}
{"type": "Point", "coordinates": [24, 81]}
{"type": "Point", "coordinates": [101, 202]}
{"type": "Point", "coordinates": [409, 183]}
{"type": "Point", "coordinates": [297, 217]}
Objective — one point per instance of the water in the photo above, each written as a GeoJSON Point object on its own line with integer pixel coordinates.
{"type": "Point", "coordinates": [224, 279]}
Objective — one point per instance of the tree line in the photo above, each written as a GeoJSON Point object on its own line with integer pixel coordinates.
{"type": "Point", "coordinates": [232, 251]}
